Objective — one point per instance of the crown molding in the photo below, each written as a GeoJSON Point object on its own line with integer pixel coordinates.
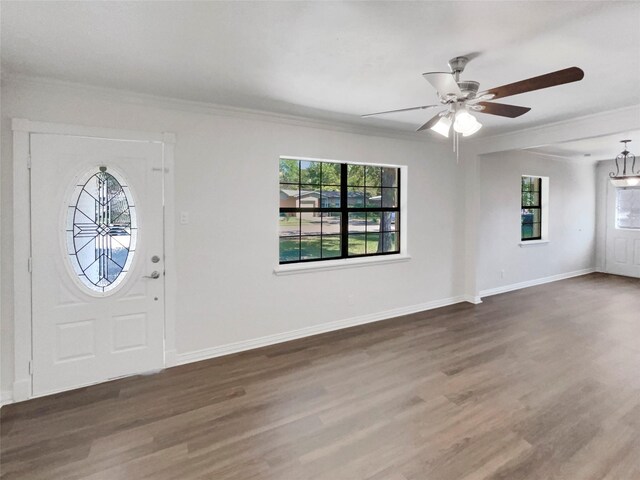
{"type": "Point", "coordinates": [482, 145]}
{"type": "Point", "coordinates": [562, 158]}
{"type": "Point", "coordinates": [170, 103]}
{"type": "Point", "coordinates": [578, 128]}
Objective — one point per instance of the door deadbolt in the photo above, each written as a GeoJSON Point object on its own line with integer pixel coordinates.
{"type": "Point", "coordinates": [155, 259]}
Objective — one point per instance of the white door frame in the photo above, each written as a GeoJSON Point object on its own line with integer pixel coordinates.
{"type": "Point", "coordinates": [22, 130]}
{"type": "Point", "coordinates": [607, 219]}
{"type": "Point", "coordinates": [610, 222]}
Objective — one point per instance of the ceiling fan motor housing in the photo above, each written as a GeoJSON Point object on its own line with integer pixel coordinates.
{"type": "Point", "coordinates": [457, 64]}
{"type": "Point", "coordinates": [469, 88]}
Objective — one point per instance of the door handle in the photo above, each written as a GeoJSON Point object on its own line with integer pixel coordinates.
{"type": "Point", "coordinates": [155, 274]}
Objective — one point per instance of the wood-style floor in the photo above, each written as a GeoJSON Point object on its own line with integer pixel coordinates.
{"type": "Point", "coordinates": [543, 383]}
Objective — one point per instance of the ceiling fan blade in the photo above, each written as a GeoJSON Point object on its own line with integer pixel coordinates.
{"type": "Point", "coordinates": [568, 75]}
{"type": "Point", "coordinates": [502, 109]}
{"type": "Point", "coordinates": [430, 123]}
{"type": "Point", "coordinates": [400, 110]}
{"type": "Point", "coordinates": [444, 83]}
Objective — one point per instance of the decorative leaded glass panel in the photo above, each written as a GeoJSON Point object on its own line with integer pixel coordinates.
{"type": "Point", "coordinates": [101, 230]}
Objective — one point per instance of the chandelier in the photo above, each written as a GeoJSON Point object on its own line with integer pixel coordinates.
{"type": "Point", "coordinates": [626, 179]}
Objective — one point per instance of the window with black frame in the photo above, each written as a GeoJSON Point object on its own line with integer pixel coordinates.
{"type": "Point", "coordinates": [334, 210]}
{"type": "Point", "coordinates": [531, 208]}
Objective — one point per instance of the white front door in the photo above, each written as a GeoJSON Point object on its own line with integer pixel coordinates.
{"type": "Point", "coordinates": [623, 231]}
{"type": "Point", "coordinates": [97, 244]}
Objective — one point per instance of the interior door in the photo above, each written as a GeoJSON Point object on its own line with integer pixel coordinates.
{"type": "Point", "coordinates": [623, 231]}
{"type": "Point", "coordinates": [97, 260]}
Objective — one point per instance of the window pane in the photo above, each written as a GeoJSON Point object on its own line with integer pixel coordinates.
{"type": "Point", "coordinates": [372, 197]}
{"type": "Point", "coordinates": [628, 208]}
{"type": "Point", "coordinates": [311, 223]}
{"type": "Point", "coordinates": [289, 195]}
{"type": "Point", "coordinates": [357, 222]}
{"type": "Point", "coordinates": [530, 230]}
{"type": "Point", "coordinates": [530, 199]}
{"type": "Point", "coordinates": [309, 196]}
{"type": "Point", "coordinates": [388, 222]}
{"type": "Point", "coordinates": [331, 223]}
{"type": "Point", "coordinates": [310, 248]}
{"type": "Point", "coordinates": [289, 224]}
{"type": "Point", "coordinates": [530, 215]}
{"type": "Point", "coordinates": [355, 197]}
{"type": "Point", "coordinates": [373, 240]}
{"type": "Point", "coordinates": [373, 221]}
{"type": "Point", "coordinates": [536, 182]}
{"type": "Point", "coordinates": [310, 172]}
{"type": "Point", "coordinates": [330, 197]}
{"type": "Point", "coordinates": [390, 242]}
{"type": "Point", "coordinates": [357, 244]}
{"type": "Point", "coordinates": [390, 197]}
{"type": "Point", "coordinates": [331, 173]}
{"type": "Point", "coordinates": [531, 184]}
{"type": "Point", "coordinates": [389, 177]}
{"type": "Point", "coordinates": [331, 246]}
{"type": "Point", "coordinates": [289, 249]}
{"type": "Point", "coordinates": [355, 175]}
{"type": "Point", "coordinates": [372, 176]}
{"type": "Point", "coordinates": [289, 171]}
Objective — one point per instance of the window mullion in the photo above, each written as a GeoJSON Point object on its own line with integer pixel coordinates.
{"type": "Point", "coordinates": [344, 216]}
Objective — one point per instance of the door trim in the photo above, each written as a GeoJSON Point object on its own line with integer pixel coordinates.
{"type": "Point", "coordinates": [22, 131]}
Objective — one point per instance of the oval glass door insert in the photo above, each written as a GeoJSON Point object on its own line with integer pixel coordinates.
{"type": "Point", "coordinates": [101, 230]}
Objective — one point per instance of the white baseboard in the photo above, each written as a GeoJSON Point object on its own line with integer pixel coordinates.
{"type": "Point", "coordinates": [538, 281]}
{"type": "Point", "coordinates": [475, 299]}
{"type": "Point", "coordinates": [244, 345]}
{"type": "Point", "coordinates": [22, 388]}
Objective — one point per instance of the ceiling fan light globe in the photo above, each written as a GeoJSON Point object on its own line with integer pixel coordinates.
{"type": "Point", "coordinates": [473, 129]}
{"type": "Point", "coordinates": [464, 121]}
{"type": "Point", "coordinates": [443, 126]}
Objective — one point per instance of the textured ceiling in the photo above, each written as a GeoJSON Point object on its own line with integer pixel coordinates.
{"type": "Point", "coordinates": [333, 60]}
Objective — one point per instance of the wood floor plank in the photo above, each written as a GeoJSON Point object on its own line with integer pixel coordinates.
{"type": "Point", "coordinates": [540, 383]}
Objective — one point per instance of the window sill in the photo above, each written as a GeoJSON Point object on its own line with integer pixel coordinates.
{"type": "Point", "coordinates": [310, 267]}
{"type": "Point", "coordinates": [532, 243]}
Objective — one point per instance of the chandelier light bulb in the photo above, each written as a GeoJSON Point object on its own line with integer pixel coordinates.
{"type": "Point", "coordinates": [633, 181]}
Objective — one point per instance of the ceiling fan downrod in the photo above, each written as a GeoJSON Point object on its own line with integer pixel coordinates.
{"type": "Point", "coordinates": [457, 64]}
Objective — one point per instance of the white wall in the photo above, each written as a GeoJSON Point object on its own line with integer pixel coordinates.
{"type": "Point", "coordinates": [572, 213]}
{"type": "Point", "coordinates": [602, 183]}
{"type": "Point", "coordinates": [226, 178]}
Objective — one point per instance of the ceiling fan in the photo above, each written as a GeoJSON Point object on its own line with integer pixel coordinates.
{"type": "Point", "coordinates": [462, 97]}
